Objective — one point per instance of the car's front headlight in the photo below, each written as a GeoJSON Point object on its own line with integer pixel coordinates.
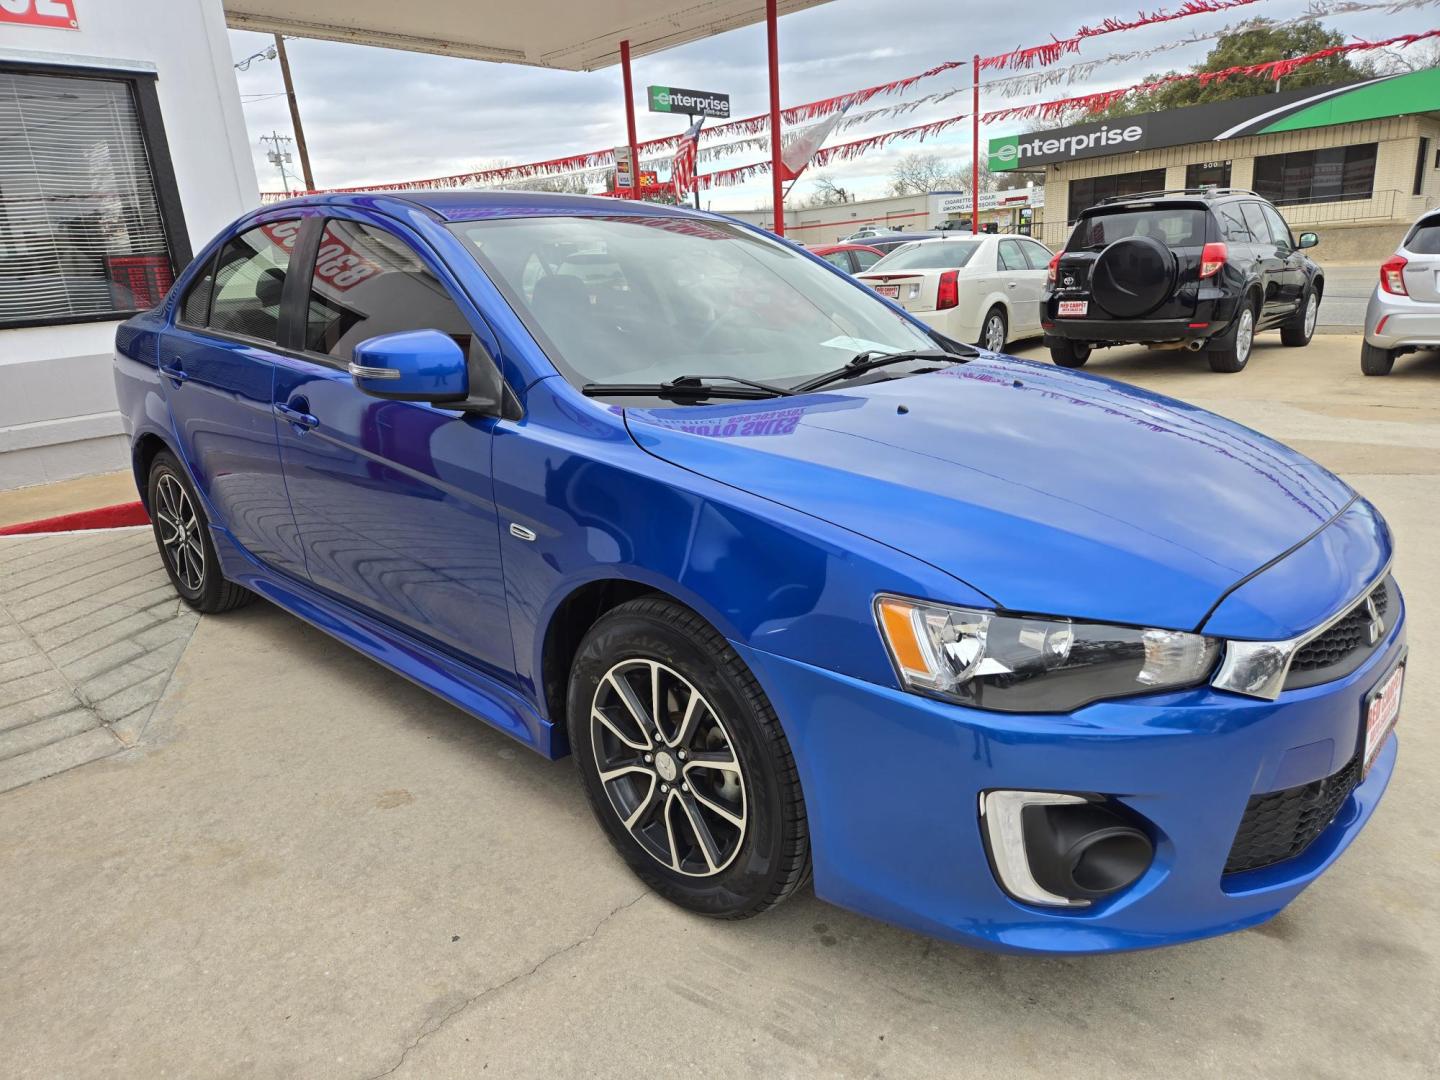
{"type": "Point", "coordinates": [1019, 663]}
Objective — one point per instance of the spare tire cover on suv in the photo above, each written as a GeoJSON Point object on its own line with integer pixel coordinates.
{"type": "Point", "coordinates": [1133, 276]}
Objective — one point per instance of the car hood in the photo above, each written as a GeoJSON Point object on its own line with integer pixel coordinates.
{"type": "Point", "coordinates": [1050, 491]}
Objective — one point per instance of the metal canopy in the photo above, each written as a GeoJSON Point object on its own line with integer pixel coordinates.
{"type": "Point", "coordinates": [563, 34]}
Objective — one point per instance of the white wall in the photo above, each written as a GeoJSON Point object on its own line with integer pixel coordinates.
{"type": "Point", "coordinates": [57, 401]}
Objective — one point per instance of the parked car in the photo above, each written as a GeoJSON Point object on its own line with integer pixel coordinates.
{"type": "Point", "coordinates": [1204, 269]}
{"type": "Point", "coordinates": [1404, 311]}
{"type": "Point", "coordinates": [999, 652]}
{"type": "Point", "coordinates": [982, 289]}
{"type": "Point", "coordinates": [852, 258]}
{"type": "Point", "coordinates": [889, 241]}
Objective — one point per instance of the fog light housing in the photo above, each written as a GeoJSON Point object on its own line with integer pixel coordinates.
{"type": "Point", "coordinates": [1055, 849]}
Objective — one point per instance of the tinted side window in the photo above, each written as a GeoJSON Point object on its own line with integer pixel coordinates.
{"type": "Point", "coordinates": [1011, 257]}
{"type": "Point", "coordinates": [1036, 254]}
{"type": "Point", "coordinates": [1279, 231]}
{"type": "Point", "coordinates": [1258, 225]}
{"type": "Point", "coordinates": [369, 282]}
{"type": "Point", "coordinates": [195, 308]}
{"type": "Point", "coordinates": [1425, 238]}
{"type": "Point", "coordinates": [838, 258]}
{"type": "Point", "coordinates": [1233, 224]}
{"type": "Point", "coordinates": [865, 259]}
{"type": "Point", "coordinates": [249, 278]}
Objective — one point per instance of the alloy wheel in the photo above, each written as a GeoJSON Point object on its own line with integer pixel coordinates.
{"type": "Point", "coordinates": [179, 530]}
{"type": "Point", "coordinates": [669, 767]}
{"type": "Point", "coordinates": [995, 333]}
{"type": "Point", "coordinates": [1245, 335]}
{"type": "Point", "coordinates": [1312, 312]}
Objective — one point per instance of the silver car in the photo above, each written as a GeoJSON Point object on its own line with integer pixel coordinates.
{"type": "Point", "coordinates": [1404, 311]}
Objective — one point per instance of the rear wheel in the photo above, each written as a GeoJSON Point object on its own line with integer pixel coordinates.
{"type": "Point", "coordinates": [183, 536]}
{"type": "Point", "coordinates": [1375, 360]}
{"type": "Point", "coordinates": [1300, 327]}
{"type": "Point", "coordinates": [1071, 354]}
{"type": "Point", "coordinates": [994, 330]}
{"type": "Point", "coordinates": [684, 762]}
{"type": "Point", "coordinates": [1234, 356]}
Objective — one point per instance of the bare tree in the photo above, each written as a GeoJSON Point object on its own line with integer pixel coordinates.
{"type": "Point", "coordinates": [1415, 58]}
{"type": "Point", "coordinates": [921, 173]}
{"type": "Point", "coordinates": [826, 193]}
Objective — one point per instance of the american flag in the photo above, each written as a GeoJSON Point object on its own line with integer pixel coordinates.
{"type": "Point", "coordinates": [682, 164]}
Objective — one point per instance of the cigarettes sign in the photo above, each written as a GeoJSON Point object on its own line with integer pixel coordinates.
{"type": "Point", "coordinates": [54, 14]}
{"type": "Point", "coordinates": [672, 99]}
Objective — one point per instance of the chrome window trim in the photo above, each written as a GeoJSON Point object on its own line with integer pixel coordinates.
{"type": "Point", "coordinates": [1259, 668]}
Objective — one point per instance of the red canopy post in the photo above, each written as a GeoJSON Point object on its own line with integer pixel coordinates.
{"type": "Point", "coordinates": [975, 152]}
{"type": "Point", "coordinates": [634, 192]}
{"type": "Point", "coordinates": [776, 181]}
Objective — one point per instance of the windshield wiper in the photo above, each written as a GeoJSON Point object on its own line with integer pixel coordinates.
{"type": "Point", "coordinates": [690, 386]}
{"type": "Point", "coordinates": [868, 361]}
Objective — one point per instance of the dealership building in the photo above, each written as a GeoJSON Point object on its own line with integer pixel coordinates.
{"type": "Point", "coordinates": [1356, 163]}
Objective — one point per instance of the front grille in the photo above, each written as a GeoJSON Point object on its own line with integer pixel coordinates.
{"type": "Point", "coordinates": [1281, 824]}
{"type": "Point", "coordinates": [1342, 648]}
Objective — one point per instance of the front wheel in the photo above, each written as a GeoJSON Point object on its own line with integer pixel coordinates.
{"type": "Point", "coordinates": [1300, 327]}
{"type": "Point", "coordinates": [1234, 356]}
{"type": "Point", "coordinates": [1071, 354]}
{"type": "Point", "coordinates": [994, 330]}
{"type": "Point", "coordinates": [1375, 360]}
{"type": "Point", "coordinates": [684, 762]}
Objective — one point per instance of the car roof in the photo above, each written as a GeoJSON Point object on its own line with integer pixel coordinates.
{"type": "Point", "coordinates": [472, 205]}
{"type": "Point", "coordinates": [826, 249]}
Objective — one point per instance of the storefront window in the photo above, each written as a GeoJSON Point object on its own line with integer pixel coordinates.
{"type": "Point", "coordinates": [1207, 174]}
{"type": "Point", "coordinates": [1086, 193]}
{"type": "Point", "coordinates": [1317, 176]}
{"type": "Point", "coordinates": [81, 230]}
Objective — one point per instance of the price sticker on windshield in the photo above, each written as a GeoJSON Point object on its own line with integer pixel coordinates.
{"type": "Point", "coordinates": [1074, 307]}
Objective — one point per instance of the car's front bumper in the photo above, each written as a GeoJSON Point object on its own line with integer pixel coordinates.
{"type": "Point", "coordinates": [1395, 322]}
{"type": "Point", "coordinates": [892, 782]}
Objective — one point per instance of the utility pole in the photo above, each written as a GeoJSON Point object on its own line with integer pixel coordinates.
{"type": "Point", "coordinates": [278, 155]}
{"type": "Point", "coordinates": [295, 114]}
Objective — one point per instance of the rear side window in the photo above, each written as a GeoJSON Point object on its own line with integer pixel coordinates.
{"type": "Point", "coordinates": [1173, 226]}
{"type": "Point", "coordinates": [1259, 226]}
{"type": "Point", "coordinates": [1233, 224]}
{"type": "Point", "coordinates": [249, 278]}
{"type": "Point", "coordinates": [1037, 255]}
{"type": "Point", "coordinates": [368, 282]}
{"type": "Point", "coordinates": [837, 258]}
{"type": "Point", "coordinates": [195, 310]}
{"type": "Point", "coordinates": [1011, 257]}
{"type": "Point", "coordinates": [1424, 239]}
{"type": "Point", "coordinates": [946, 255]}
{"type": "Point", "coordinates": [865, 259]}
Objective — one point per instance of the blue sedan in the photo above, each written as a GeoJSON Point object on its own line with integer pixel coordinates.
{"type": "Point", "coordinates": [1003, 653]}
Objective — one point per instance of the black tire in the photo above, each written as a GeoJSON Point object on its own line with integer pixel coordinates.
{"type": "Point", "coordinates": [1235, 354]}
{"type": "Point", "coordinates": [196, 575]}
{"type": "Point", "coordinates": [1300, 327]}
{"type": "Point", "coordinates": [1067, 353]}
{"type": "Point", "coordinates": [764, 861]}
{"type": "Point", "coordinates": [1375, 360]}
{"type": "Point", "coordinates": [994, 327]}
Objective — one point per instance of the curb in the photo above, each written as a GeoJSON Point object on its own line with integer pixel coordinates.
{"type": "Point", "coordinates": [104, 517]}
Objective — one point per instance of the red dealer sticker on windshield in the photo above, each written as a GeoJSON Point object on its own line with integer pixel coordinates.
{"type": "Point", "coordinates": [54, 14]}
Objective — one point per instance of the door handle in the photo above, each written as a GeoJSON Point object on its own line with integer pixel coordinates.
{"type": "Point", "coordinates": [1013, 284]}
{"type": "Point", "coordinates": [296, 417]}
{"type": "Point", "coordinates": [173, 371]}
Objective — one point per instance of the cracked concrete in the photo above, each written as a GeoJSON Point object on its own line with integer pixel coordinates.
{"type": "Point", "coordinates": [308, 867]}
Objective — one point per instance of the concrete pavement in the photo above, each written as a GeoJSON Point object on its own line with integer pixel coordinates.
{"type": "Point", "coordinates": [307, 867]}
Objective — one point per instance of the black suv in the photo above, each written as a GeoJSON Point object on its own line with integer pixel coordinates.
{"type": "Point", "coordinates": [1194, 269]}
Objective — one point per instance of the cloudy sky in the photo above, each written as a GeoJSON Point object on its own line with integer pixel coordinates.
{"type": "Point", "coordinates": [374, 115]}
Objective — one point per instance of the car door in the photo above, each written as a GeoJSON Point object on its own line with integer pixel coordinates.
{"type": "Point", "coordinates": [1270, 254]}
{"type": "Point", "coordinates": [1292, 284]}
{"type": "Point", "coordinates": [393, 500]}
{"type": "Point", "coordinates": [218, 367]}
{"type": "Point", "coordinates": [1022, 288]}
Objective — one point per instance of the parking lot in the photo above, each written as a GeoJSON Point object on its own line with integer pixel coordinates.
{"type": "Point", "coordinates": [280, 860]}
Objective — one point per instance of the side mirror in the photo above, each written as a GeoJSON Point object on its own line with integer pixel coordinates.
{"type": "Point", "coordinates": [1308, 240]}
{"type": "Point", "coordinates": [416, 365]}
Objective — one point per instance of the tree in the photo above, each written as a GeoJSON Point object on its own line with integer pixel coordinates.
{"type": "Point", "coordinates": [920, 173]}
{"type": "Point", "coordinates": [1254, 42]}
{"type": "Point", "coordinates": [826, 193]}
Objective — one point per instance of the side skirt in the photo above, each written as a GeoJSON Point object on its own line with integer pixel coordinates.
{"type": "Point", "coordinates": [462, 686]}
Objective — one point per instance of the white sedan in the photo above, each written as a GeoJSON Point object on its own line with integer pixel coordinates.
{"type": "Point", "coordinates": [984, 289]}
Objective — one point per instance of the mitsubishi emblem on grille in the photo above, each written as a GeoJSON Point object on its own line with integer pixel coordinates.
{"type": "Point", "coordinates": [1376, 626]}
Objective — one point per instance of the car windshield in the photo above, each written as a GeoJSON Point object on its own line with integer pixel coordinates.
{"type": "Point", "coordinates": [943, 255]}
{"type": "Point", "coordinates": [1173, 226]}
{"type": "Point", "coordinates": [644, 299]}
